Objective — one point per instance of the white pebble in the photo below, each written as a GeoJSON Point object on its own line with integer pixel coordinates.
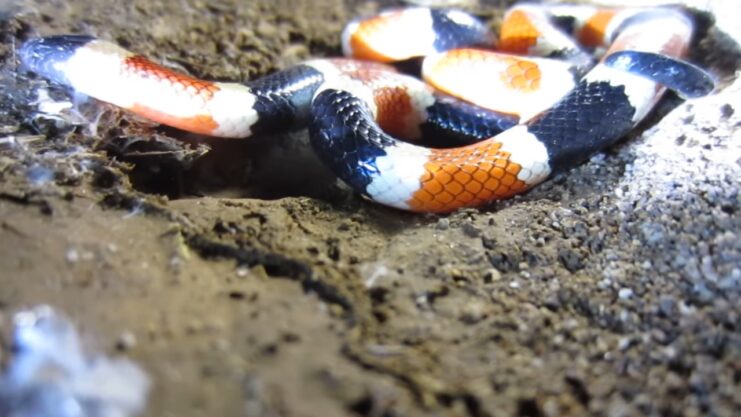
{"type": "Point", "coordinates": [72, 256]}
{"type": "Point", "coordinates": [625, 293]}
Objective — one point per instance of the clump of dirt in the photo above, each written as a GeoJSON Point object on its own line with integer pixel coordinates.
{"type": "Point", "coordinates": [247, 281]}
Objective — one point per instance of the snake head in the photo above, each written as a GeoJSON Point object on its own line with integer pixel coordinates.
{"type": "Point", "coordinates": [43, 56]}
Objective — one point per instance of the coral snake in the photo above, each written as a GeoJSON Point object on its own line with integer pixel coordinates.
{"type": "Point", "coordinates": [565, 81]}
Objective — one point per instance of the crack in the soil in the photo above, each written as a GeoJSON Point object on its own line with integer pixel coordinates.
{"type": "Point", "coordinates": [29, 199]}
{"type": "Point", "coordinates": [276, 265]}
{"type": "Point", "coordinates": [424, 397]}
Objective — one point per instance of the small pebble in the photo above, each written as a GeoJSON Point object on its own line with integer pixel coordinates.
{"type": "Point", "coordinates": [443, 224]}
{"type": "Point", "coordinates": [470, 230]}
{"type": "Point", "coordinates": [727, 110]}
{"type": "Point", "coordinates": [72, 256]}
{"type": "Point", "coordinates": [625, 293]}
{"type": "Point", "coordinates": [492, 275]}
{"type": "Point", "coordinates": [667, 305]}
{"type": "Point", "coordinates": [624, 343]}
{"type": "Point", "coordinates": [126, 341]}
{"type": "Point", "coordinates": [473, 312]}
{"type": "Point", "coordinates": [604, 284]}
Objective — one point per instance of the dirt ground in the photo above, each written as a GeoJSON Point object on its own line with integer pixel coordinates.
{"type": "Point", "coordinates": [247, 281]}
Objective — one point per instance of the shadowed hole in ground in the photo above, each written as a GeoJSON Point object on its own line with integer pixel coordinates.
{"type": "Point", "coordinates": [263, 167]}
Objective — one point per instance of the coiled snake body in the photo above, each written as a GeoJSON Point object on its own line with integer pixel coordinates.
{"type": "Point", "coordinates": [512, 119]}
